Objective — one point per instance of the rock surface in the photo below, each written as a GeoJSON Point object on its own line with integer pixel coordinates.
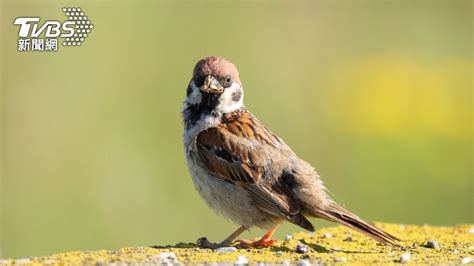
{"type": "Point", "coordinates": [455, 247]}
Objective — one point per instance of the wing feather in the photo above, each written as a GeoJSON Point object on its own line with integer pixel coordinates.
{"type": "Point", "coordinates": [242, 151]}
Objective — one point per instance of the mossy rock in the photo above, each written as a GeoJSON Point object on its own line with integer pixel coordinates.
{"type": "Point", "coordinates": [453, 245]}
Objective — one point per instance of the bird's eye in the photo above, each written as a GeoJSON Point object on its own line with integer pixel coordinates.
{"type": "Point", "coordinates": [227, 81]}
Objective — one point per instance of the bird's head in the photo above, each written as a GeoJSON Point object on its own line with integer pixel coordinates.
{"type": "Point", "coordinates": [215, 87]}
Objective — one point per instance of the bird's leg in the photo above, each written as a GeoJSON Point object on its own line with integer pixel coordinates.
{"type": "Point", "coordinates": [204, 243]}
{"type": "Point", "coordinates": [265, 241]}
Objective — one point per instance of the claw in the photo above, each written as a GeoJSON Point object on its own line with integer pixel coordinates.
{"type": "Point", "coordinates": [204, 243]}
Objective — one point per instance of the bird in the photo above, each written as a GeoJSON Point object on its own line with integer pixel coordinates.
{"type": "Point", "coordinates": [247, 173]}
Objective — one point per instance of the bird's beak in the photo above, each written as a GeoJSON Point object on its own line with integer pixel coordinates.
{"type": "Point", "coordinates": [211, 85]}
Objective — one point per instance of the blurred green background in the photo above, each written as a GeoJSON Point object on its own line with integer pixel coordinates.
{"type": "Point", "coordinates": [377, 95]}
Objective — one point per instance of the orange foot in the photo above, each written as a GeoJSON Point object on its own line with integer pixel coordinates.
{"type": "Point", "coordinates": [256, 243]}
{"type": "Point", "coordinates": [265, 241]}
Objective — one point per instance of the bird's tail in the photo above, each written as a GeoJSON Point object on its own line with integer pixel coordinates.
{"type": "Point", "coordinates": [336, 213]}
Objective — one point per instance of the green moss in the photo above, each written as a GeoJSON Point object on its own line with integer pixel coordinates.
{"type": "Point", "coordinates": [455, 242]}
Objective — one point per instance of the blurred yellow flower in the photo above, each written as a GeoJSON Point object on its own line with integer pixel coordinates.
{"type": "Point", "coordinates": [389, 96]}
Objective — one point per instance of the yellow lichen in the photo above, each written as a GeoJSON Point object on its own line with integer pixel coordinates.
{"type": "Point", "coordinates": [333, 244]}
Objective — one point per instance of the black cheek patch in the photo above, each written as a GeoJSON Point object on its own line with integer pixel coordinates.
{"type": "Point", "coordinates": [236, 95]}
{"type": "Point", "coordinates": [199, 81]}
{"type": "Point", "coordinates": [189, 90]}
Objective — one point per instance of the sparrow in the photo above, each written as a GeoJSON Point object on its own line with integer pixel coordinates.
{"type": "Point", "coordinates": [244, 171]}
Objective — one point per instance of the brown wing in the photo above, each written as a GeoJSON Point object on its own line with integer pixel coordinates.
{"type": "Point", "coordinates": [244, 152]}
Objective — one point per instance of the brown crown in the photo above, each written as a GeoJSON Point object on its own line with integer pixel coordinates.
{"type": "Point", "coordinates": [216, 66]}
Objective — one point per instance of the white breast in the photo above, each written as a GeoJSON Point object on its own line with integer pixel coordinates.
{"type": "Point", "coordinates": [231, 201]}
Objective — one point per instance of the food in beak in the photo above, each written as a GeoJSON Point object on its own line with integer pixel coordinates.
{"type": "Point", "coordinates": [211, 85]}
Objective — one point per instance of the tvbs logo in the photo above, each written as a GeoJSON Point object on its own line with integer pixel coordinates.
{"type": "Point", "coordinates": [36, 36]}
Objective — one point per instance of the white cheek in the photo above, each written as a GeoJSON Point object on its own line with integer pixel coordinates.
{"type": "Point", "coordinates": [226, 103]}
